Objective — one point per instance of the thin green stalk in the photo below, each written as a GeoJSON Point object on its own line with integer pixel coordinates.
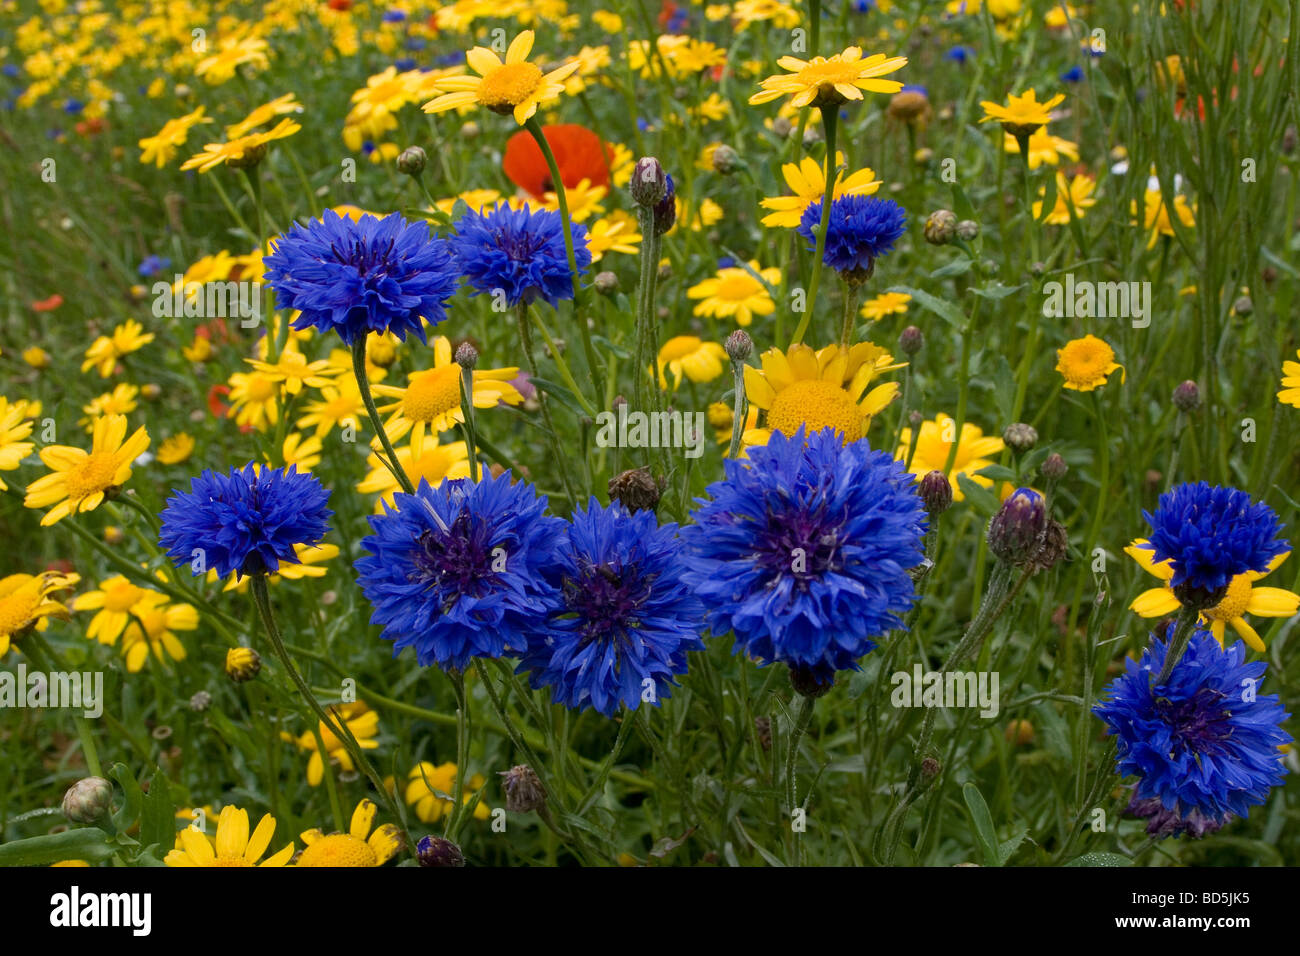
{"type": "Point", "coordinates": [389, 457]}
{"type": "Point", "coordinates": [830, 120]}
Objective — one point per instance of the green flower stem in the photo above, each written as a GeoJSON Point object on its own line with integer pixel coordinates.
{"type": "Point", "coordinates": [561, 365]}
{"type": "Point", "coordinates": [602, 776]}
{"type": "Point", "coordinates": [457, 815]}
{"type": "Point", "coordinates": [801, 722]}
{"type": "Point", "coordinates": [1183, 629]}
{"type": "Point", "coordinates": [40, 652]}
{"type": "Point", "coordinates": [830, 119]}
{"type": "Point", "coordinates": [526, 340]}
{"type": "Point", "coordinates": [467, 409]}
{"type": "Point", "coordinates": [963, 391]}
{"type": "Point", "coordinates": [331, 785]}
{"type": "Point", "coordinates": [339, 728]}
{"type": "Point", "coordinates": [851, 292]}
{"type": "Point", "coordinates": [389, 457]}
{"type": "Point", "coordinates": [739, 408]}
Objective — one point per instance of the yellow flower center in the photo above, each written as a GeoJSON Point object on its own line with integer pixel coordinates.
{"type": "Point", "coordinates": [120, 595]}
{"type": "Point", "coordinates": [432, 393]}
{"type": "Point", "coordinates": [93, 475]}
{"type": "Point", "coordinates": [260, 388]}
{"type": "Point", "coordinates": [817, 405]}
{"type": "Point", "coordinates": [1085, 362]}
{"type": "Point", "coordinates": [230, 861]}
{"type": "Point", "coordinates": [507, 86]}
{"type": "Point", "coordinates": [735, 288]}
{"type": "Point", "coordinates": [16, 610]}
{"type": "Point", "coordinates": [338, 849]}
{"type": "Point", "coordinates": [1234, 602]}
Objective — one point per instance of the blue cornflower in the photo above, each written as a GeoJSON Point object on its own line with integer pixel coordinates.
{"type": "Point", "coordinates": [73, 106]}
{"type": "Point", "coordinates": [1203, 744]}
{"type": "Point", "coordinates": [959, 54]}
{"type": "Point", "coordinates": [1210, 534]}
{"type": "Point", "coordinates": [151, 265]}
{"type": "Point", "coordinates": [804, 549]}
{"type": "Point", "coordinates": [627, 618]}
{"type": "Point", "coordinates": [520, 252]}
{"type": "Point", "coordinates": [245, 522]}
{"type": "Point", "coordinates": [455, 571]}
{"type": "Point", "coordinates": [360, 276]}
{"type": "Point", "coordinates": [1073, 75]}
{"type": "Point", "coordinates": [861, 230]}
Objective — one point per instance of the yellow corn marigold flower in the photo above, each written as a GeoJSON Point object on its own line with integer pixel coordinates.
{"type": "Point", "coordinates": [691, 356]}
{"type": "Point", "coordinates": [1076, 195]}
{"type": "Point", "coordinates": [176, 449]}
{"type": "Point", "coordinates": [232, 846]}
{"type": "Point", "coordinates": [120, 401]}
{"type": "Point", "coordinates": [807, 180]}
{"type": "Point", "coordinates": [1290, 394]}
{"type": "Point", "coordinates": [738, 293]}
{"type": "Point", "coordinates": [295, 371]}
{"type": "Point", "coordinates": [104, 352]}
{"type": "Point", "coordinates": [800, 387]}
{"type": "Point", "coordinates": [14, 428]}
{"type": "Point", "coordinates": [583, 199]}
{"type": "Point", "coordinates": [36, 357]}
{"type": "Point", "coordinates": [1155, 215]}
{"type": "Point", "coordinates": [308, 565]}
{"type": "Point", "coordinates": [80, 480]}
{"type": "Point", "coordinates": [829, 81]}
{"type": "Point", "coordinates": [1085, 363]}
{"type": "Point", "coordinates": [221, 66]}
{"type": "Point", "coordinates": [242, 150]}
{"type": "Point", "coordinates": [161, 148]}
{"type": "Point", "coordinates": [358, 847]}
{"type": "Point", "coordinates": [25, 602]}
{"type": "Point", "coordinates": [721, 416]}
{"type": "Point", "coordinates": [934, 441]}
{"type": "Point", "coordinates": [1043, 148]}
{"type": "Point", "coordinates": [115, 601]}
{"type": "Point", "coordinates": [242, 664]}
{"type": "Point", "coordinates": [616, 232]}
{"type": "Point", "coordinates": [360, 720]}
{"type": "Point", "coordinates": [1023, 114]}
{"type": "Point", "coordinates": [1242, 598]}
{"type": "Point", "coordinates": [340, 405]}
{"type": "Point", "coordinates": [254, 400]}
{"type": "Point", "coordinates": [435, 464]}
{"type": "Point", "coordinates": [280, 106]}
{"type": "Point", "coordinates": [153, 628]}
{"type": "Point", "coordinates": [301, 450]}
{"type": "Point", "coordinates": [887, 303]}
{"type": "Point", "coordinates": [426, 782]}
{"type": "Point", "coordinates": [514, 87]}
{"type": "Point", "coordinates": [430, 402]}
{"type": "Point", "coordinates": [780, 15]}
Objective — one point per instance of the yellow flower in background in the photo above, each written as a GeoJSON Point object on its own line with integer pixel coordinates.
{"type": "Point", "coordinates": [1290, 394]}
{"type": "Point", "coordinates": [310, 558]}
{"type": "Point", "coordinates": [721, 416]}
{"type": "Point", "coordinates": [691, 356]}
{"type": "Point", "coordinates": [736, 293]}
{"type": "Point", "coordinates": [934, 441]}
{"type": "Point", "coordinates": [340, 405]}
{"type": "Point", "coordinates": [1043, 148]}
{"type": "Point", "coordinates": [429, 789]}
{"type": "Point", "coordinates": [280, 106]}
{"type": "Point", "coordinates": [515, 86]}
{"type": "Point", "coordinates": [1242, 598]}
{"type": "Point", "coordinates": [1086, 363]}
{"type": "Point", "coordinates": [360, 720]}
{"type": "Point", "coordinates": [114, 601]}
{"type": "Point", "coordinates": [232, 54]}
{"type": "Point", "coordinates": [120, 401]}
{"type": "Point", "coordinates": [807, 180]}
{"type": "Point", "coordinates": [435, 464]}
{"type": "Point", "coordinates": [293, 369]}
{"type": "Point", "coordinates": [25, 602]}
{"type": "Point", "coordinates": [36, 357]}
{"type": "Point", "coordinates": [430, 401]}
{"type": "Point", "coordinates": [232, 846]}
{"type": "Point", "coordinates": [780, 15]}
{"type": "Point", "coordinates": [14, 428]}
{"type": "Point", "coordinates": [254, 400]}
{"type": "Point", "coordinates": [1023, 115]}
{"type": "Point", "coordinates": [162, 147]}
{"type": "Point", "coordinates": [241, 150]}
{"type": "Point", "coordinates": [104, 352]}
{"type": "Point", "coordinates": [583, 199]}
{"type": "Point", "coordinates": [153, 630]}
{"type": "Point", "coordinates": [475, 199]}
{"type": "Point", "coordinates": [800, 387]}
{"type": "Point", "coordinates": [1155, 215]}
{"type": "Point", "coordinates": [887, 303]}
{"type": "Point", "coordinates": [300, 450]}
{"type": "Point", "coordinates": [176, 449]}
{"type": "Point", "coordinates": [1076, 195]}
{"type": "Point", "coordinates": [705, 215]}
{"type": "Point", "coordinates": [616, 232]}
{"type": "Point", "coordinates": [357, 847]}
{"type": "Point", "coordinates": [79, 480]}
{"type": "Point", "coordinates": [829, 81]}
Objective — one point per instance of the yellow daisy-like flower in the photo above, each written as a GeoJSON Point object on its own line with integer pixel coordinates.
{"type": "Point", "coordinates": [25, 602]}
{"type": "Point", "coordinates": [14, 428]}
{"type": "Point", "coordinates": [975, 450]}
{"type": "Point", "coordinates": [513, 87]}
{"type": "Point", "coordinates": [691, 356]}
{"type": "Point", "coordinates": [114, 601]}
{"type": "Point", "coordinates": [360, 720]}
{"type": "Point", "coordinates": [721, 416]}
{"type": "Point", "coordinates": [310, 558]}
{"type": "Point", "coordinates": [1043, 148]}
{"type": "Point", "coordinates": [80, 480]}
{"type": "Point", "coordinates": [616, 232]}
{"type": "Point", "coordinates": [161, 148]}
{"type": "Point", "coordinates": [583, 199]}
{"type": "Point", "coordinates": [232, 846]}
{"type": "Point", "coordinates": [1155, 215]}
{"type": "Point", "coordinates": [430, 402]}
{"type": "Point", "coordinates": [1023, 114]}
{"type": "Point", "coordinates": [1290, 394]}
{"type": "Point", "coordinates": [36, 357]}
{"type": "Point", "coordinates": [1085, 363]}
{"type": "Point", "coordinates": [807, 180]}
{"type": "Point", "coordinates": [887, 303]}
{"type": "Point", "coordinates": [280, 106]}
{"type": "Point", "coordinates": [1241, 599]}
{"type": "Point", "coordinates": [782, 17]}
{"type": "Point", "coordinates": [340, 405]}
{"type": "Point", "coordinates": [476, 199]}
{"type": "Point", "coordinates": [240, 151]}
{"type": "Point", "coordinates": [301, 450]}
{"type": "Point", "coordinates": [233, 54]}
{"type": "Point", "coordinates": [819, 389]}
{"type": "Point", "coordinates": [736, 292]}
{"type": "Point", "coordinates": [254, 400]}
{"type": "Point", "coordinates": [176, 449]}
{"type": "Point", "coordinates": [357, 847]}
{"type": "Point", "coordinates": [120, 401]}
{"type": "Point", "coordinates": [295, 371]}
{"type": "Point", "coordinates": [435, 464]}
{"type": "Point", "coordinates": [829, 81]}
{"type": "Point", "coordinates": [1076, 195]}
{"type": "Point", "coordinates": [104, 352]}
{"type": "Point", "coordinates": [153, 630]}
{"type": "Point", "coordinates": [428, 789]}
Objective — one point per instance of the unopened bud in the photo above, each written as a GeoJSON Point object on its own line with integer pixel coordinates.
{"type": "Point", "coordinates": [200, 701]}
{"type": "Point", "coordinates": [649, 182]}
{"type": "Point", "coordinates": [242, 664]}
{"type": "Point", "coordinates": [1015, 531]}
{"type": "Point", "coordinates": [967, 230]}
{"type": "Point", "coordinates": [466, 356]}
{"type": "Point", "coordinates": [1243, 306]}
{"type": "Point", "coordinates": [606, 282]}
{"type": "Point", "coordinates": [936, 493]}
{"type": "Point", "coordinates": [911, 340]}
{"type": "Point", "coordinates": [87, 800]}
{"type": "Point", "coordinates": [1054, 467]}
{"type": "Point", "coordinates": [940, 227]}
{"type": "Point", "coordinates": [666, 208]}
{"type": "Point", "coordinates": [524, 791]}
{"type": "Point", "coordinates": [1020, 437]}
{"type": "Point", "coordinates": [809, 684]}
{"type": "Point", "coordinates": [725, 160]}
{"type": "Point", "coordinates": [436, 851]}
{"type": "Point", "coordinates": [739, 346]}
{"type": "Point", "coordinates": [412, 161]}
{"type": "Point", "coordinates": [636, 489]}
{"type": "Point", "coordinates": [1187, 397]}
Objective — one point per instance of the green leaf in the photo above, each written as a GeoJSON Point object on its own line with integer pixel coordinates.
{"type": "Point", "coordinates": [1100, 859]}
{"type": "Point", "coordinates": [88, 843]}
{"type": "Point", "coordinates": [1008, 847]}
{"type": "Point", "coordinates": [997, 473]}
{"type": "Point", "coordinates": [982, 824]}
{"type": "Point", "coordinates": [129, 811]}
{"type": "Point", "coordinates": [158, 816]}
{"type": "Point", "coordinates": [957, 267]}
{"type": "Point", "coordinates": [997, 291]}
{"type": "Point", "coordinates": [560, 394]}
{"type": "Point", "coordinates": [940, 307]}
{"type": "Point", "coordinates": [979, 497]}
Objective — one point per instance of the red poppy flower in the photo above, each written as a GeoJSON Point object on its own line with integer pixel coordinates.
{"type": "Point", "coordinates": [340, 5]}
{"type": "Point", "coordinates": [91, 127]}
{"type": "Point", "coordinates": [579, 153]}
{"type": "Point", "coordinates": [216, 406]}
{"type": "Point", "coordinates": [48, 305]}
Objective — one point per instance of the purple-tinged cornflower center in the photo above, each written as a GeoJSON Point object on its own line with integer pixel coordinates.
{"type": "Point", "coordinates": [364, 258]}
{"type": "Point", "coordinates": [606, 600]}
{"type": "Point", "coordinates": [458, 558]}
{"type": "Point", "coordinates": [520, 246]}
{"type": "Point", "coordinates": [800, 546]}
{"type": "Point", "coordinates": [1198, 724]}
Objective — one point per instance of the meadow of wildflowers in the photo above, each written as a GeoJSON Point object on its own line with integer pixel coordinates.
{"type": "Point", "coordinates": [553, 432]}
